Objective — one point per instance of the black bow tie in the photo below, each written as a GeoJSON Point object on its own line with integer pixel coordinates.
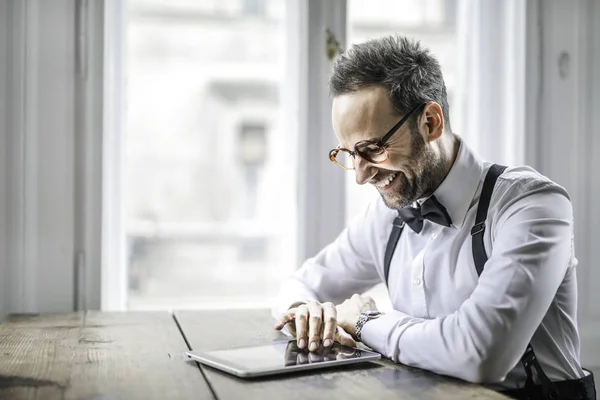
{"type": "Point", "coordinates": [431, 209]}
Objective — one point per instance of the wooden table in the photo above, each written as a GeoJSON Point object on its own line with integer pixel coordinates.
{"type": "Point", "coordinates": [140, 355]}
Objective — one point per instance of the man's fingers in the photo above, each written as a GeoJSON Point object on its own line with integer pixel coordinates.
{"type": "Point", "coordinates": [285, 318]}
{"type": "Point", "coordinates": [313, 324]}
{"type": "Point", "coordinates": [315, 313]}
{"type": "Point", "coordinates": [330, 323]}
{"type": "Point", "coordinates": [314, 357]}
{"type": "Point", "coordinates": [302, 358]}
{"type": "Point", "coordinates": [291, 326]}
{"type": "Point", "coordinates": [302, 326]}
{"type": "Point", "coordinates": [344, 337]}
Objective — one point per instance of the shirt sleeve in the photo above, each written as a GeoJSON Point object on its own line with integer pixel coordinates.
{"type": "Point", "coordinates": [485, 338]}
{"type": "Point", "coordinates": [345, 267]}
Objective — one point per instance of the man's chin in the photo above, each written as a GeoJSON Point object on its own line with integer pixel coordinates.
{"type": "Point", "coordinates": [394, 200]}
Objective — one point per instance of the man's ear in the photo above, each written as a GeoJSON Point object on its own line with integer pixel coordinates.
{"type": "Point", "coordinates": [433, 119]}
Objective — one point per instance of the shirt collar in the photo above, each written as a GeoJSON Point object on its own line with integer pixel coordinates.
{"type": "Point", "coordinates": [459, 187]}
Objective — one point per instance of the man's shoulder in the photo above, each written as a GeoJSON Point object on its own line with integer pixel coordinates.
{"type": "Point", "coordinates": [519, 183]}
{"type": "Point", "coordinates": [524, 180]}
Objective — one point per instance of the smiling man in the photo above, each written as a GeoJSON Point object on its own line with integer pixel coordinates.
{"type": "Point", "coordinates": [478, 258]}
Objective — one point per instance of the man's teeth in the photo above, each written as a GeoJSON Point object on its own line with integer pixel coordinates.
{"type": "Point", "coordinates": [387, 181]}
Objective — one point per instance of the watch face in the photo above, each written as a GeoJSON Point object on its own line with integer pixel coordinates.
{"type": "Point", "coordinates": [372, 313]}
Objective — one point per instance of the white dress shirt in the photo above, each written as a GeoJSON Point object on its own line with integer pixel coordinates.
{"type": "Point", "coordinates": [447, 319]}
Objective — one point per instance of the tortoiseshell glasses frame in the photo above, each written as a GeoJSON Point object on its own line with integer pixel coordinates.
{"type": "Point", "coordinates": [374, 151]}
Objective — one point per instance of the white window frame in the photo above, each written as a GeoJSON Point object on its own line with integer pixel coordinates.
{"type": "Point", "coordinates": [321, 188]}
{"type": "Point", "coordinates": [4, 233]}
{"type": "Point", "coordinates": [114, 250]}
{"type": "Point", "coordinates": [88, 147]}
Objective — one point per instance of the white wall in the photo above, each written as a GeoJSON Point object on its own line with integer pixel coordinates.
{"type": "Point", "coordinates": [40, 120]}
{"type": "Point", "coordinates": [563, 140]}
{"type": "Point", "coordinates": [4, 165]}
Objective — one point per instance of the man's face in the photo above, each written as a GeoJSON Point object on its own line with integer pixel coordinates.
{"type": "Point", "coordinates": [414, 166]}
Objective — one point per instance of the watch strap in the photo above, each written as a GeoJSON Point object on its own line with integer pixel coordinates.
{"type": "Point", "coordinates": [363, 319]}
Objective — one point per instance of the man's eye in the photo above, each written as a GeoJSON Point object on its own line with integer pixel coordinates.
{"type": "Point", "coordinates": [372, 149]}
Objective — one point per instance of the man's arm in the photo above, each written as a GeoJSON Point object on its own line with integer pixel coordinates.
{"type": "Point", "coordinates": [343, 268]}
{"type": "Point", "coordinates": [485, 338]}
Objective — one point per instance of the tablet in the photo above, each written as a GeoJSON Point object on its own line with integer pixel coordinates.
{"type": "Point", "coordinates": [279, 358]}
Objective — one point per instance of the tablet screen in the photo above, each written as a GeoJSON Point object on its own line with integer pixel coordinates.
{"type": "Point", "coordinates": [283, 354]}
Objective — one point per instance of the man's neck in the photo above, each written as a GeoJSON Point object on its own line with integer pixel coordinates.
{"type": "Point", "coordinates": [452, 153]}
{"type": "Point", "coordinates": [450, 147]}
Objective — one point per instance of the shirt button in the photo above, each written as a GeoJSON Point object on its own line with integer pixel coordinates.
{"type": "Point", "coordinates": [433, 235]}
{"type": "Point", "coordinates": [417, 281]}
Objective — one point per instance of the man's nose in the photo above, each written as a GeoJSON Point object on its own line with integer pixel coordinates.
{"type": "Point", "coordinates": [365, 171]}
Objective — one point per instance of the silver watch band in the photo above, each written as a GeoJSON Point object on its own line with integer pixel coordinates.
{"type": "Point", "coordinates": [363, 319]}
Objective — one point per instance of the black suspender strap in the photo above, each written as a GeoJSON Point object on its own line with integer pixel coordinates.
{"type": "Point", "coordinates": [391, 246]}
{"type": "Point", "coordinates": [528, 359]}
{"type": "Point", "coordinates": [478, 229]}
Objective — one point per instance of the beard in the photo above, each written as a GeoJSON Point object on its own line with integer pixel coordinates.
{"type": "Point", "coordinates": [426, 172]}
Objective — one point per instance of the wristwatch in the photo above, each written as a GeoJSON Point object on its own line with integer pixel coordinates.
{"type": "Point", "coordinates": [363, 318]}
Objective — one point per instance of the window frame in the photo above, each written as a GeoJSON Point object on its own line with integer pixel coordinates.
{"type": "Point", "coordinates": [113, 263]}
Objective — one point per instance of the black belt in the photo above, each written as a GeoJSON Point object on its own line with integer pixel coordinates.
{"type": "Point", "coordinates": [572, 389]}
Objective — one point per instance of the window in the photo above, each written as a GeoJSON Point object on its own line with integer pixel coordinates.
{"type": "Point", "coordinates": [209, 166]}
{"type": "Point", "coordinates": [206, 184]}
{"type": "Point", "coordinates": [433, 22]}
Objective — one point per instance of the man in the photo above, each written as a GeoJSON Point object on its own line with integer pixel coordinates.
{"type": "Point", "coordinates": [487, 296]}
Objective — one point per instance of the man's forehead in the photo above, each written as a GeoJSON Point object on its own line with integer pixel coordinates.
{"type": "Point", "coordinates": [361, 115]}
{"type": "Point", "coordinates": [368, 102]}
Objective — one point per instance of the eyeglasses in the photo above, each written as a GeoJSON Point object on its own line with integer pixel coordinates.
{"type": "Point", "coordinates": [374, 151]}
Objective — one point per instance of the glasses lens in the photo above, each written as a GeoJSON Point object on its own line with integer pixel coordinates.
{"type": "Point", "coordinates": [371, 152]}
{"type": "Point", "coordinates": [345, 159]}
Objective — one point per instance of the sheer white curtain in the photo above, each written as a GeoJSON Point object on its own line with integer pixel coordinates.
{"type": "Point", "coordinates": [491, 77]}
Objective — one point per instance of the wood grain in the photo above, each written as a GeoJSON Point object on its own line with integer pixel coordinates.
{"type": "Point", "coordinates": [209, 330]}
{"type": "Point", "coordinates": [96, 356]}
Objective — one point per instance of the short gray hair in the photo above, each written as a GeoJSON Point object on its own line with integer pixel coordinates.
{"type": "Point", "coordinates": [411, 74]}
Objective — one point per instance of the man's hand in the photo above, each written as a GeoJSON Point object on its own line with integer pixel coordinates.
{"type": "Point", "coordinates": [349, 311]}
{"type": "Point", "coordinates": [314, 324]}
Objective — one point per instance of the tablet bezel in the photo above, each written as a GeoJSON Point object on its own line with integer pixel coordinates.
{"type": "Point", "coordinates": [204, 357]}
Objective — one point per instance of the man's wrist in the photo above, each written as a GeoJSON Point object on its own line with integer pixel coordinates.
{"type": "Point", "coordinates": [363, 318]}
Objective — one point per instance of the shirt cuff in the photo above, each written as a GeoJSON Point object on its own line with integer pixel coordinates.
{"type": "Point", "coordinates": [383, 334]}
